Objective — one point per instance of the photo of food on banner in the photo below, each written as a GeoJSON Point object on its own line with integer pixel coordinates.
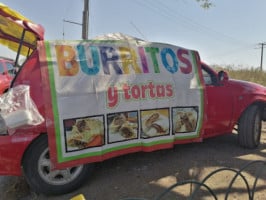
{"type": "Point", "coordinates": [154, 123]}
{"type": "Point", "coordinates": [122, 126]}
{"type": "Point", "coordinates": [185, 119]}
{"type": "Point", "coordinates": [84, 133]}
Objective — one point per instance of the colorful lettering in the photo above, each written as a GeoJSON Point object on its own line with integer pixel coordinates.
{"type": "Point", "coordinates": [151, 87]}
{"type": "Point", "coordinates": [153, 51]}
{"type": "Point", "coordinates": [112, 97]}
{"type": "Point", "coordinates": [90, 70]}
{"type": "Point", "coordinates": [167, 51]}
{"type": "Point", "coordinates": [138, 92]}
{"type": "Point", "coordinates": [66, 58]}
{"type": "Point", "coordinates": [169, 90]}
{"type": "Point", "coordinates": [183, 56]}
{"type": "Point", "coordinates": [126, 91]}
{"type": "Point", "coordinates": [120, 60]}
{"type": "Point", "coordinates": [135, 91]}
{"type": "Point", "coordinates": [109, 58]}
{"type": "Point", "coordinates": [129, 58]}
{"type": "Point", "coordinates": [143, 60]}
{"type": "Point", "coordinates": [144, 89]}
{"type": "Point", "coordinates": [160, 90]}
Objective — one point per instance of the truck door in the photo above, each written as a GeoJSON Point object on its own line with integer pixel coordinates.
{"type": "Point", "coordinates": [219, 104]}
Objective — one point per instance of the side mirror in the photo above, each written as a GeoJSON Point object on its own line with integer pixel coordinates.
{"type": "Point", "coordinates": [223, 76]}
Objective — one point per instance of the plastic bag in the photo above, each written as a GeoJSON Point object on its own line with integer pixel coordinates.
{"type": "Point", "coordinates": [18, 109]}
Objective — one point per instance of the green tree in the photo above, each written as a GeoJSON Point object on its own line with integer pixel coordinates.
{"type": "Point", "coordinates": [205, 3]}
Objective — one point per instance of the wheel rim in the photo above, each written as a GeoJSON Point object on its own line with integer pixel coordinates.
{"type": "Point", "coordinates": [257, 128]}
{"type": "Point", "coordinates": [56, 177]}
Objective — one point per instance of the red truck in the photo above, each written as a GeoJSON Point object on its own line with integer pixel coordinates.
{"type": "Point", "coordinates": [7, 73]}
{"type": "Point", "coordinates": [113, 96]}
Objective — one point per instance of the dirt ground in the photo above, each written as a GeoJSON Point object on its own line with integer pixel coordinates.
{"type": "Point", "coordinates": [147, 175]}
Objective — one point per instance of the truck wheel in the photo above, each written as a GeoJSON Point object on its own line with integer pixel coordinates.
{"type": "Point", "coordinates": [249, 128]}
{"type": "Point", "coordinates": [37, 169]}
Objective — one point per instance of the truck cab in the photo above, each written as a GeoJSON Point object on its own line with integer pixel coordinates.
{"type": "Point", "coordinates": [233, 104]}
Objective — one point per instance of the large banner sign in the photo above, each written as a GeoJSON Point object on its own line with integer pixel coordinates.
{"type": "Point", "coordinates": [112, 97]}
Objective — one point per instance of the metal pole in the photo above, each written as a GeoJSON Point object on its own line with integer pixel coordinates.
{"type": "Point", "coordinates": [85, 20]}
{"type": "Point", "coordinates": [20, 46]}
{"type": "Point", "coordinates": [261, 57]}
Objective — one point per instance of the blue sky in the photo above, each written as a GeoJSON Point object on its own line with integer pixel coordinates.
{"type": "Point", "coordinates": [226, 34]}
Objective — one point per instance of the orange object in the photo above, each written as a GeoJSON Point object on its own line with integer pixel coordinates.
{"type": "Point", "coordinates": [97, 141]}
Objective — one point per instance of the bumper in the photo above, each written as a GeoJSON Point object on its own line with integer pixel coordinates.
{"type": "Point", "coordinates": [12, 149]}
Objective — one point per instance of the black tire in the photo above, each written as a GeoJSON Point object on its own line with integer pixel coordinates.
{"type": "Point", "coordinates": [36, 167]}
{"type": "Point", "coordinates": [249, 128]}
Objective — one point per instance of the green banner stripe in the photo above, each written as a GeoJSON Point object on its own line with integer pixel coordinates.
{"type": "Point", "coordinates": [54, 99]}
{"type": "Point", "coordinates": [118, 148]}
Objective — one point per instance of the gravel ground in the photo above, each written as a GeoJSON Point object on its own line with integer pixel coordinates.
{"type": "Point", "coordinates": [147, 175]}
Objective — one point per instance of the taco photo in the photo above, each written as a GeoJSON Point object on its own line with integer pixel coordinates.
{"type": "Point", "coordinates": [85, 133]}
{"type": "Point", "coordinates": [122, 126]}
{"type": "Point", "coordinates": [184, 119]}
{"type": "Point", "coordinates": [154, 122]}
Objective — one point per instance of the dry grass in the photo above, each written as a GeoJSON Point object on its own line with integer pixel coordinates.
{"type": "Point", "coordinates": [252, 75]}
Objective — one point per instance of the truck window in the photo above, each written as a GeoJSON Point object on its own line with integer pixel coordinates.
{"type": "Point", "coordinates": [208, 76]}
{"type": "Point", "coordinates": [10, 68]}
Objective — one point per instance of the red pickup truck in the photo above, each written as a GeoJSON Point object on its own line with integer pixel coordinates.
{"type": "Point", "coordinates": [7, 73]}
{"type": "Point", "coordinates": [108, 97]}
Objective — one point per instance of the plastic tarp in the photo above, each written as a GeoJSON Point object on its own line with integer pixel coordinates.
{"type": "Point", "coordinates": [18, 110]}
